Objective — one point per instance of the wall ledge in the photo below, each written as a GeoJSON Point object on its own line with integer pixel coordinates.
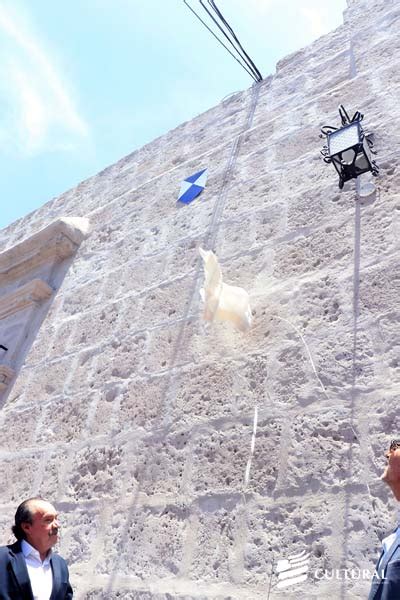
{"type": "Point", "coordinates": [56, 242]}
{"type": "Point", "coordinates": [31, 293]}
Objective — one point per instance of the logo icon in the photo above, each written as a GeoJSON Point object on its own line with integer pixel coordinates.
{"type": "Point", "coordinates": [293, 569]}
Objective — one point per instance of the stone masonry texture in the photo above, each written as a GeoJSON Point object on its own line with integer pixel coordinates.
{"type": "Point", "coordinates": [136, 420]}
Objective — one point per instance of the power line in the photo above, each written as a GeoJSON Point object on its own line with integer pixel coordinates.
{"type": "Point", "coordinates": [220, 41]}
{"type": "Point", "coordinates": [223, 26]}
{"type": "Point", "coordinates": [243, 53]}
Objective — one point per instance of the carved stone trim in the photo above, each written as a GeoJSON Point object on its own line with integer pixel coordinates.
{"type": "Point", "coordinates": [6, 374]}
{"type": "Point", "coordinates": [55, 242]}
{"type": "Point", "coordinates": [31, 293]}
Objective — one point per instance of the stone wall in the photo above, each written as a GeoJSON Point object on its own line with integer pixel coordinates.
{"type": "Point", "coordinates": [136, 420]}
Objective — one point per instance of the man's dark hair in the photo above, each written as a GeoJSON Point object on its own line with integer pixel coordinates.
{"type": "Point", "coordinates": [24, 514]}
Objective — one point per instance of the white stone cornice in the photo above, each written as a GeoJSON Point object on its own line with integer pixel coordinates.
{"type": "Point", "coordinates": [31, 293]}
{"type": "Point", "coordinates": [6, 374]}
{"type": "Point", "coordinates": [56, 242]}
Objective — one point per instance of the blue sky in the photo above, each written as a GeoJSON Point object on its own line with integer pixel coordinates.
{"type": "Point", "coordinates": [86, 82]}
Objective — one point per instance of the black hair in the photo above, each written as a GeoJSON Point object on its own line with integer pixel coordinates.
{"type": "Point", "coordinates": [24, 514]}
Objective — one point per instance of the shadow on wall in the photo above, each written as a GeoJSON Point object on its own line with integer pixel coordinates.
{"type": "Point", "coordinates": [31, 273]}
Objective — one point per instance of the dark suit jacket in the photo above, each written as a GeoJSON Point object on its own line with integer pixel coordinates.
{"type": "Point", "coordinates": [14, 578]}
{"type": "Point", "coordinates": [386, 583]}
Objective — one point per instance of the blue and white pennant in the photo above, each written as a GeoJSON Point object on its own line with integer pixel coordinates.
{"type": "Point", "coordinates": [192, 186]}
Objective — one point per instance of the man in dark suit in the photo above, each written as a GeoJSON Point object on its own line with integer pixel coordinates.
{"type": "Point", "coordinates": [386, 582]}
{"type": "Point", "coordinates": [29, 570]}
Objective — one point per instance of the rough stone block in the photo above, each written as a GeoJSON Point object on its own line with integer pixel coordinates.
{"type": "Point", "coordinates": [104, 403]}
{"type": "Point", "coordinates": [387, 346]}
{"type": "Point", "coordinates": [348, 361]}
{"type": "Point", "coordinates": [379, 226]}
{"type": "Point", "coordinates": [211, 391]}
{"type": "Point", "coordinates": [17, 476]}
{"type": "Point", "coordinates": [123, 358]}
{"type": "Point", "coordinates": [63, 419]}
{"type": "Point", "coordinates": [249, 231]}
{"type": "Point", "coordinates": [153, 542]}
{"type": "Point", "coordinates": [320, 249]}
{"type": "Point", "coordinates": [19, 425]}
{"type": "Point", "coordinates": [323, 302]}
{"type": "Point", "coordinates": [136, 276]}
{"type": "Point", "coordinates": [77, 298]}
{"type": "Point", "coordinates": [97, 472]}
{"type": "Point", "coordinates": [221, 454]}
{"type": "Point", "coordinates": [382, 425]}
{"type": "Point", "coordinates": [380, 288]}
{"type": "Point", "coordinates": [98, 325]}
{"type": "Point", "coordinates": [328, 73]}
{"type": "Point", "coordinates": [162, 459]}
{"type": "Point", "coordinates": [52, 380]}
{"type": "Point", "coordinates": [170, 346]}
{"type": "Point", "coordinates": [168, 302]}
{"type": "Point", "coordinates": [215, 547]}
{"type": "Point", "coordinates": [53, 467]}
{"type": "Point", "coordinates": [290, 378]}
{"type": "Point", "coordinates": [79, 529]}
{"type": "Point", "coordinates": [321, 453]}
{"type": "Point", "coordinates": [285, 528]}
{"type": "Point", "coordinates": [144, 403]}
{"type": "Point", "coordinates": [230, 113]}
{"type": "Point", "coordinates": [184, 256]}
{"type": "Point", "coordinates": [53, 342]}
{"type": "Point", "coordinates": [358, 15]}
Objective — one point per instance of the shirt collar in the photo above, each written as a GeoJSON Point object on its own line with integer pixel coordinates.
{"type": "Point", "coordinates": [29, 550]}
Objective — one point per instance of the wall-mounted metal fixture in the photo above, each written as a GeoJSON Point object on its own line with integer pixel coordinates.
{"type": "Point", "coordinates": [3, 348]}
{"type": "Point", "coordinates": [349, 148]}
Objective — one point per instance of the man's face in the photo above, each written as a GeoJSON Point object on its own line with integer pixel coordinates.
{"type": "Point", "coordinates": [391, 474]}
{"type": "Point", "coordinates": [42, 533]}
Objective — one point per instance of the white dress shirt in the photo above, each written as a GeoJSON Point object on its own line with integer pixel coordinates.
{"type": "Point", "coordinates": [40, 573]}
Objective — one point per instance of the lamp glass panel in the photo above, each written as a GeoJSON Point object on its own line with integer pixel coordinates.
{"type": "Point", "coordinates": [344, 138]}
{"type": "Point", "coordinates": [348, 156]}
{"type": "Point", "coordinates": [362, 163]}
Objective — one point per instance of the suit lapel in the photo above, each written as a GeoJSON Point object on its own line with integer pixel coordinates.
{"type": "Point", "coordinates": [382, 567]}
{"type": "Point", "coordinates": [375, 580]}
{"type": "Point", "coordinates": [18, 565]}
{"type": "Point", "coordinates": [56, 568]}
{"type": "Point", "coordinates": [381, 571]}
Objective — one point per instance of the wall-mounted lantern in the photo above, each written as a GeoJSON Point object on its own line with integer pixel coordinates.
{"type": "Point", "coordinates": [349, 148]}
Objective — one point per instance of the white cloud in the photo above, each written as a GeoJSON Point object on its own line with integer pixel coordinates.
{"type": "Point", "coordinates": [40, 113]}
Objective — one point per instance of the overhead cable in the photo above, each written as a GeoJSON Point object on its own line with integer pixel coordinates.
{"type": "Point", "coordinates": [242, 51]}
{"type": "Point", "coordinates": [219, 21]}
